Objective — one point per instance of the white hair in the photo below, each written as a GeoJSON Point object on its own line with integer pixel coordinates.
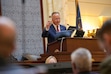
{"type": "Point", "coordinates": [51, 59]}
{"type": "Point", "coordinates": [82, 59]}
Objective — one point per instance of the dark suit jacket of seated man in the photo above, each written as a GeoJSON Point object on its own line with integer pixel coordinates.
{"type": "Point", "coordinates": [53, 27]}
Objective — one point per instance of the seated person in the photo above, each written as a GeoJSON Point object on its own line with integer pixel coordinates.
{"type": "Point", "coordinates": [51, 59]}
{"type": "Point", "coordinates": [53, 27]}
{"type": "Point", "coordinates": [105, 66]}
{"type": "Point", "coordinates": [82, 61]}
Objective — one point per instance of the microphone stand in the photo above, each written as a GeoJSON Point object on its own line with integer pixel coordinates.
{"type": "Point", "coordinates": [61, 44]}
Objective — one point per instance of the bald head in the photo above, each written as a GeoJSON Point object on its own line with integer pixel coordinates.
{"type": "Point", "coordinates": [7, 36]}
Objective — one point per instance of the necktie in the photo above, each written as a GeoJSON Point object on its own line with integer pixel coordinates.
{"type": "Point", "coordinates": [57, 28]}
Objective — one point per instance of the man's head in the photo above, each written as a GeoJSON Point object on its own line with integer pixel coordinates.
{"type": "Point", "coordinates": [7, 36]}
{"type": "Point", "coordinates": [104, 35]}
{"type": "Point", "coordinates": [56, 18]}
{"type": "Point", "coordinates": [81, 60]}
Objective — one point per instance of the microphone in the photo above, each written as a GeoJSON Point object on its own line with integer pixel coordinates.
{"type": "Point", "coordinates": [61, 44]}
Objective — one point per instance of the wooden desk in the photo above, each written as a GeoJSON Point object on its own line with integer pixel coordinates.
{"type": "Point", "coordinates": [70, 44]}
{"type": "Point", "coordinates": [65, 56]}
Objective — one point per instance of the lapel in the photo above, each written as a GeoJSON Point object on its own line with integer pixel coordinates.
{"type": "Point", "coordinates": [61, 28]}
{"type": "Point", "coordinates": [53, 29]}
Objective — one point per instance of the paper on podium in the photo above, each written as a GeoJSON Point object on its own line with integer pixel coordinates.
{"type": "Point", "coordinates": [66, 33]}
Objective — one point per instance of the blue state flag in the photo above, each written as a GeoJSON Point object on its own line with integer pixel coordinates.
{"type": "Point", "coordinates": [78, 16]}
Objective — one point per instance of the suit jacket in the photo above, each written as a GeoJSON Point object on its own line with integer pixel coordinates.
{"type": "Point", "coordinates": [51, 33]}
{"type": "Point", "coordinates": [87, 72]}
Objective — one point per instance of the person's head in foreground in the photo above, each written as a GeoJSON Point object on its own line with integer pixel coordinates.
{"type": "Point", "coordinates": [81, 60]}
{"type": "Point", "coordinates": [105, 66]}
{"type": "Point", "coordinates": [51, 59]}
{"type": "Point", "coordinates": [7, 46]}
{"type": "Point", "coordinates": [7, 37]}
{"type": "Point", "coordinates": [104, 36]}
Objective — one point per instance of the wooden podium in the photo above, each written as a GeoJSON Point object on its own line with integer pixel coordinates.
{"type": "Point", "coordinates": [70, 44]}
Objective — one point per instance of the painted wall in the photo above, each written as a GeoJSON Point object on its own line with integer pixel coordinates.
{"type": "Point", "coordinates": [91, 10]}
{"type": "Point", "coordinates": [27, 17]}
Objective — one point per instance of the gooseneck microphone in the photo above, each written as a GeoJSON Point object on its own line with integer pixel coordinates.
{"type": "Point", "coordinates": [61, 44]}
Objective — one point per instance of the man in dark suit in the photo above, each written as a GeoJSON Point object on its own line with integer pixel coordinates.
{"type": "Point", "coordinates": [52, 27]}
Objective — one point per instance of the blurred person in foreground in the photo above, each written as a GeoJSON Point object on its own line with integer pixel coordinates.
{"type": "Point", "coordinates": [7, 46]}
{"type": "Point", "coordinates": [81, 60]}
{"type": "Point", "coordinates": [105, 66]}
{"type": "Point", "coordinates": [104, 36]}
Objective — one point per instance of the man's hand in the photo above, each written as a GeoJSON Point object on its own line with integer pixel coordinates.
{"type": "Point", "coordinates": [48, 25]}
